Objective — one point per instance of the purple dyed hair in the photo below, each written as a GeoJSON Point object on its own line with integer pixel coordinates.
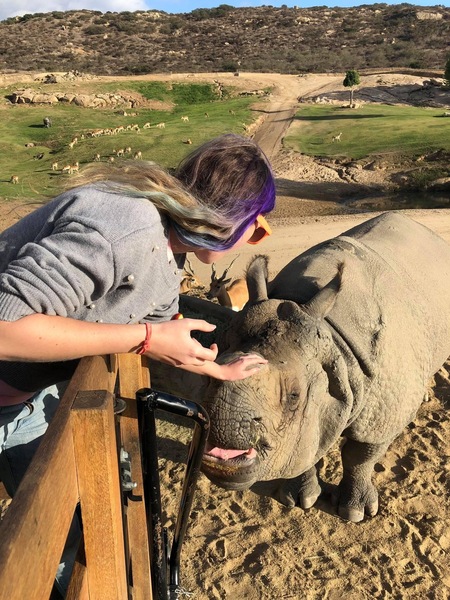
{"type": "Point", "coordinates": [231, 178]}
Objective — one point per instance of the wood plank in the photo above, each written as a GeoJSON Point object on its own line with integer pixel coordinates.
{"type": "Point", "coordinates": [132, 376]}
{"type": "Point", "coordinates": [78, 587]}
{"type": "Point", "coordinates": [100, 494]}
{"type": "Point", "coordinates": [35, 527]}
{"type": "Point", "coordinates": [34, 530]}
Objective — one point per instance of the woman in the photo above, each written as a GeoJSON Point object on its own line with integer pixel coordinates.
{"type": "Point", "coordinates": [97, 271]}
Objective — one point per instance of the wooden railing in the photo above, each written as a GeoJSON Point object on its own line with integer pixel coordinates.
{"type": "Point", "coordinates": [77, 461]}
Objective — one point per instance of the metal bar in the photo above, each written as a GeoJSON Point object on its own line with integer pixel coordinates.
{"type": "Point", "coordinates": [193, 411]}
{"type": "Point", "coordinates": [152, 495]}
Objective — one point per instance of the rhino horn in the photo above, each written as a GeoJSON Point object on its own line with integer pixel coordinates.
{"type": "Point", "coordinates": [321, 304]}
{"type": "Point", "coordinates": [257, 274]}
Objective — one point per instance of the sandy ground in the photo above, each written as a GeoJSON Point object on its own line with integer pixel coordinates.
{"type": "Point", "coordinates": [241, 545]}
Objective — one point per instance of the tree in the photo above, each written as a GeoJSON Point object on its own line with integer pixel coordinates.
{"type": "Point", "coordinates": [351, 79]}
{"type": "Point", "coordinates": [447, 72]}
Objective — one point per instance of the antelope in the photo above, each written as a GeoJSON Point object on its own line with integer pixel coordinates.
{"type": "Point", "coordinates": [188, 141]}
{"type": "Point", "coordinates": [137, 155]}
{"type": "Point", "coordinates": [120, 152]}
{"type": "Point", "coordinates": [75, 167]}
{"type": "Point", "coordinates": [234, 296]}
{"type": "Point", "coordinates": [14, 179]}
{"type": "Point", "coordinates": [67, 169]}
{"type": "Point", "coordinates": [185, 119]}
{"type": "Point", "coordinates": [146, 126]}
{"type": "Point", "coordinates": [337, 138]}
{"type": "Point", "coordinates": [128, 149]}
{"type": "Point", "coordinates": [54, 166]}
{"type": "Point", "coordinates": [189, 281]}
{"type": "Point", "coordinates": [161, 125]}
{"type": "Point", "coordinates": [97, 157]}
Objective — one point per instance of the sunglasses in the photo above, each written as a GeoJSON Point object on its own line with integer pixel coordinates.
{"type": "Point", "coordinates": [262, 230]}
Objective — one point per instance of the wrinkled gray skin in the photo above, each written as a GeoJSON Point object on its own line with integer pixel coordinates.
{"type": "Point", "coordinates": [353, 329]}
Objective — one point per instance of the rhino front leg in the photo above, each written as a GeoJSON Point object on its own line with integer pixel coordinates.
{"type": "Point", "coordinates": [357, 495]}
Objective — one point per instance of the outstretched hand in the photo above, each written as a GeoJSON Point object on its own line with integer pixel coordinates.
{"type": "Point", "coordinates": [171, 343]}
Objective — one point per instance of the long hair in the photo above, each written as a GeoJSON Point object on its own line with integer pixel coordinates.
{"type": "Point", "coordinates": [215, 194]}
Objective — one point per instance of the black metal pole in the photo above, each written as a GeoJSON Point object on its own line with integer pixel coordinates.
{"type": "Point", "coordinates": [193, 411]}
{"type": "Point", "coordinates": [152, 494]}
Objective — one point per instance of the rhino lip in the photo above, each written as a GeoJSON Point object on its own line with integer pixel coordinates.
{"type": "Point", "coordinates": [231, 468]}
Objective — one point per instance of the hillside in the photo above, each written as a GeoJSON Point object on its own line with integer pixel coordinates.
{"type": "Point", "coordinates": [264, 39]}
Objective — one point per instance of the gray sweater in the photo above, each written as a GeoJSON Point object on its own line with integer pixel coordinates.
{"type": "Point", "coordinates": [89, 254]}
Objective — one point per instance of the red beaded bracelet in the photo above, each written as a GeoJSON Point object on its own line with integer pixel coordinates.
{"type": "Point", "coordinates": [145, 345]}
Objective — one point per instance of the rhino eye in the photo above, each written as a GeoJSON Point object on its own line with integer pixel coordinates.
{"type": "Point", "coordinates": [293, 399]}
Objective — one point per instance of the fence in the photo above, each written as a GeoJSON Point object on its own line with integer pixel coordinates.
{"type": "Point", "coordinates": [77, 461]}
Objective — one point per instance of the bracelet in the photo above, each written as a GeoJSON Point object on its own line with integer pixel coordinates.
{"type": "Point", "coordinates": [145, 345]}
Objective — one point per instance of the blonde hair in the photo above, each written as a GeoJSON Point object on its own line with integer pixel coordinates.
{"type": "Point", "coordinates": [215, 194]}
{"type": "Point", "coordinates": [149, 180]}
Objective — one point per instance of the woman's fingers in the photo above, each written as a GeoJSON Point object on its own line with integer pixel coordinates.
{"type": "Point", "coordinates": [250, 360]}
{"type": "Point", "coordinates": [199, 325]}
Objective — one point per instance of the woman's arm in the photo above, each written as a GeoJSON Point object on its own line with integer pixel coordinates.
{"type": "Point", "coordinates": [44, 338]}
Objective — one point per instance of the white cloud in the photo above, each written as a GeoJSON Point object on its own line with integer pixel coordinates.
{"type": "Point", "coordinates": [22, 7]}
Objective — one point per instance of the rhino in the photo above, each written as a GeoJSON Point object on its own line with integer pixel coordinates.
{"type": "Point", "coordinates": [353, 329]}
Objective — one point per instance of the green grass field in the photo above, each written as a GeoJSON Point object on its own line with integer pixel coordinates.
{"type": "Point", "coordinates": [23, 123]}
{"type": "Point", "coordinates": [370, 129]}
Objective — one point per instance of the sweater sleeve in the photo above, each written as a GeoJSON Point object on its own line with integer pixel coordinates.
{"type": "Point", "coordinates": [57, 275]}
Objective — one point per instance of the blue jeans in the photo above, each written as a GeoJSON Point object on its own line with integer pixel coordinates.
{"type": "Point", "coordinates": [22, 427]}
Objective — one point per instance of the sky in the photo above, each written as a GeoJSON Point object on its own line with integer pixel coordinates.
{"type": "Point", "coordinates": [12, 8]}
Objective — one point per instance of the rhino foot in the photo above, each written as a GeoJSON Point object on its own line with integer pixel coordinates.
{"type": "Point", "coordinates": [355, 500]}
{"type": "Point", "coordinates": [302, 491]}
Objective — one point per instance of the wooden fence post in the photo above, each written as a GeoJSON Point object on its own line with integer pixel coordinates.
{"type": "Point", "coordinates": [93, 427]}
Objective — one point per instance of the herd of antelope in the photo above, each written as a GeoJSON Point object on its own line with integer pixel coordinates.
{"type": "Point", "coordinates": [72, 167]}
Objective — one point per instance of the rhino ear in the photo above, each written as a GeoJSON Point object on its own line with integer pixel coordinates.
{"type": "Point", "coordinates": [257, 274]}
{"type": "Point", "coordinates": [321, 304]}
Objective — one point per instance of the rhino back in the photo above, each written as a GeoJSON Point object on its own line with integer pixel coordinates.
{"type": "Point", "coordinates": [392, 314]}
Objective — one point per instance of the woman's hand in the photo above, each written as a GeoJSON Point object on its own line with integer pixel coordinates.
{"type": "Point", "coordinates": [171, 343]}
{"type": "Point", "coordinates": [241, 367]}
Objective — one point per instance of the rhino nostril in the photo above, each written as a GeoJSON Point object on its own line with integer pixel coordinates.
{"type": "Point", "coordinates": [257, 419]}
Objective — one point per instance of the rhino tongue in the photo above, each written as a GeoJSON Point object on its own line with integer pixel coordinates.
{"type": "Point", "coordinates": [227, 453]}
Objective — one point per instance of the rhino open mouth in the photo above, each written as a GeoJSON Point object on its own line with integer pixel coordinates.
{"type": "Point", "coordinates": [229, 468]}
